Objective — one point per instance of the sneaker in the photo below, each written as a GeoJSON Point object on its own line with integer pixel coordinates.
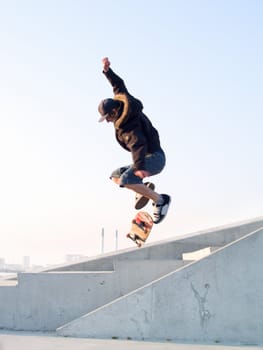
{"type": "Point", "coordinates": [161, 209]}
{"type": "Point", "coordinates": [140, 200]}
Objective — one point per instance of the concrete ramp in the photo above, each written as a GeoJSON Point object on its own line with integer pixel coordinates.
{"type": "Point", "coordinates": [204, 286]}
{"type": "Point", "coordinates": [216, 299]}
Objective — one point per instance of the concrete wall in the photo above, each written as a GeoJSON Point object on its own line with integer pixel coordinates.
{"type": "Point", "coordinates": [217, 299]}
{"type": "Point", "coordinates": [45, 301]}
{"type": "Point", "coordinates": [168, 249]}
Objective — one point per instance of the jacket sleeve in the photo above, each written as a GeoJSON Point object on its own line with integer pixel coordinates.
{"type": "Point", "coordinates": [116, 82]}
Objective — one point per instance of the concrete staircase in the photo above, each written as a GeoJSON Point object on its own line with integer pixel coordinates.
{"type": "Point", "coordinates": [205, 286]}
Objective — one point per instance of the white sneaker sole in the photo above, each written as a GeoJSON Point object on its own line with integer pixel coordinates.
{"type": "Point", "coordinates": [164, 210]}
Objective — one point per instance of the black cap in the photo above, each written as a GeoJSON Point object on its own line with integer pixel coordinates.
{"type": "Point", "coordinates": [106, 106]}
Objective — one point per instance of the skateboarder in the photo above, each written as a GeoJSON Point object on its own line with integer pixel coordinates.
{"type": "Point", "coordinates": [136, 134]}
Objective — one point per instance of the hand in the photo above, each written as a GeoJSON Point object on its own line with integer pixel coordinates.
{"type": "Point", "coordinates": [106, 64]}
{"type": "Point", "coordinates": [142, 173]}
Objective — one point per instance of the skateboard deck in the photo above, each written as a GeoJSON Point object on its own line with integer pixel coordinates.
{"type": "Point", "coordinates": [141, 228]}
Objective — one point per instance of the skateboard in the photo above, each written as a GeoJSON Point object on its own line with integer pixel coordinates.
{"type": "Point", "coordinates": [141, 228]}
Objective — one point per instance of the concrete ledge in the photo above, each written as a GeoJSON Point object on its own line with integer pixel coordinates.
{"type": "Point", "coordinates": [216, 299]}
{"type": "Point", "coordinates": [199, 254]}
{"type": "Point", "coordinates": [170, 248]}
{"type": "Point", "coordinates": [45, 301]}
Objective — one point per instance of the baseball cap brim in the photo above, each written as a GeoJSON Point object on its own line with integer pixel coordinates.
{"type": "Point", "coordinates": [102, 118]}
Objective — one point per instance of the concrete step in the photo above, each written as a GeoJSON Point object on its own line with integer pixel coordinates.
{"type": "Point", "coordinates": [62, 296]}
{"type": "Point", "coordinates": [217, 299]}
{"type": "Point", "coordinates": [44, 301]}
{"type": "Point", "coordinates": [199, 254]}
{"type": "Point", "coordinates": [8, 283]}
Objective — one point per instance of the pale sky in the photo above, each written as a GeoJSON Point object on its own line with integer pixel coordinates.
{"type": "Point", "coordinates": [197, 67]}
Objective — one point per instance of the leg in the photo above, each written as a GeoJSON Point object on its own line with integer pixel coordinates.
{"type": "Point", "coordinates": [144, 191]}
{"type": "Point", "coordinates": [125, 177]}
{"type": "Point", "coordinates": [139, 188]}
{"type": "Point", "coordinates": [140, 200]}
{"type": "Point", "coordinates": [116, 180]}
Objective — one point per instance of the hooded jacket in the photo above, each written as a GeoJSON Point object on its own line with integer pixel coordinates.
{"type": "Point", "coordinates": [133, 129]}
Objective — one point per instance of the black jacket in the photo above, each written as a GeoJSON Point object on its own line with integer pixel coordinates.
{"type": "Point", "coordinates": [133, 130]}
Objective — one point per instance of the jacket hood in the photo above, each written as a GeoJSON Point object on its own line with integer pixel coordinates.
{"type": "Point", "coordinates": [124, 115]}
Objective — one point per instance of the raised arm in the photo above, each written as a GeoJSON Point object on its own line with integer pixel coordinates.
{"type": "Point", "coordinates": [106, 64]}
{"type": "Point", "coordinates": [116, 82]}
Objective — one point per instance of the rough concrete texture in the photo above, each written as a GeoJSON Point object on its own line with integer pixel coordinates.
{"type": "Point", "coordinates": [151, 293]}
{"type": "Point", "coordinates": [216, 299]}
{"type": "Point", "coordinates": [45, 301]}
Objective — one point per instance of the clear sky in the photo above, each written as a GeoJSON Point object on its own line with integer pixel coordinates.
{"type": "Point", "coordinates": [197, 67]}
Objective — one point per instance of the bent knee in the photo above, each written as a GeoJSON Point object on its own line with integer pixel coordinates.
{"type": "Point", "coordinates": [116, 180]}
